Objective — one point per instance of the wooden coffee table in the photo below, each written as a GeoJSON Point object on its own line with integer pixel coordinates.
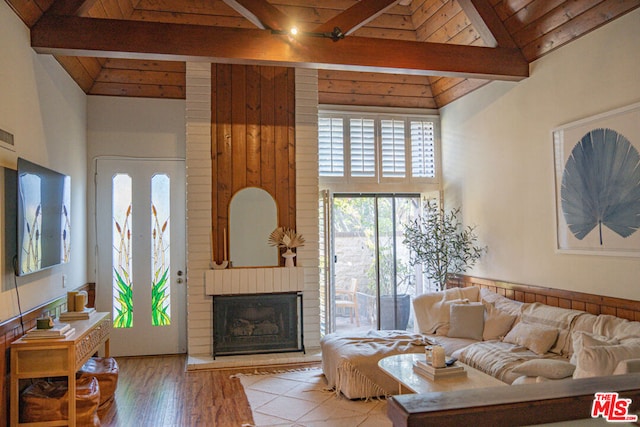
{"type": "Point", "coordinates": [400, 368]}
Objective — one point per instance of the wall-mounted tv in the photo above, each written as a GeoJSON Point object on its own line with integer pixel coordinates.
{"type": "Point", "coordinates": [44, 222]}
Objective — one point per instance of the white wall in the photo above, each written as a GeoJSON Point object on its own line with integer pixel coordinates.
{"type": "Point", "coordinates": [46, 112]}
{"type": "Point", "coordinates": [498, 159]}
{"type": "Point", "coordinates": [129, 127]}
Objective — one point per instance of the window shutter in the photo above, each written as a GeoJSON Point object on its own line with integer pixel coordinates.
{"type": "Point", "coordinates": [422, 149]}
{"type": "Point", "coordinates": [331, 146]}
{"type": "Point", "coordinates": [362, 139]}
{"type": "Point", "coordinates": [393, 142]}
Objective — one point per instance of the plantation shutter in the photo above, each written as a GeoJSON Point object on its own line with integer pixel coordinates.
{"type": "Point", "coordinates": [362, 138]}
{"type": "Point", "coordinates": [422, 149]}
{"type": "Point", "coordinates": [393, 148]}
{"type": "Point", "coordinates": [331, 146]}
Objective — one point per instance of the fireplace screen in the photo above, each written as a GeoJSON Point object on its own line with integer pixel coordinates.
{"type": "Point", "coordinates": [262, 323]}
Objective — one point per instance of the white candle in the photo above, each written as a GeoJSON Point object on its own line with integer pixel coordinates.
{"type": "Point", "coordinates": [213, 258]}
{"type": "Point", "coordinates": [224, 242]}
{"type": "Point", "coordinates": [438, 357]}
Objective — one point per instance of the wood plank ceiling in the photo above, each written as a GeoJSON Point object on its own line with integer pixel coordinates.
{"type": "Point", "coordinates": [395, 53]}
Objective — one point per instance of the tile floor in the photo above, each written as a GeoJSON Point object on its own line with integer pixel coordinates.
{"type": "Point", "coordinates": [300, 398]}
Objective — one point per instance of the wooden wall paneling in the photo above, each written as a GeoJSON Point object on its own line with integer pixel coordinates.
{"type": "Point", "coordinates": [526, 15]}
{"type": "Point", "coordinates": [6, 372]}
{"type": "Point", "coordinates": [253, 116]}
{"type": "Point", "coordinates": [267, 131]}
{"type": "Point", "coordinates": [584, 18]}
{"type": "Point", "coordinates": [462, 88]}
{"type": "Point", "coordinates": [126, 7]}
{"type": "Point", "coordinates": [592, 308]}
{"type": "Point", "coordinates": [12, 329]}
{"type": "Point", "coordinates": [224, 153]}
{"type": "Point", "coordinates": [238, 104]}
{"type": "Point", "coordinates": [112, 8]}
{"type": "Point", "coordinates": [253, 150]}
{"type": "Point", "coordinates": [216, 235]}
{"type": "Point", "coordinates": [97, 10]}
{"type": "Point", "coordinates": [77, 71]}
{"type": "Point", "coordinates": [291, 138]}
{"type": "Point", "coordinates": [374, 89]}
{"type": "Point", "coordinates": [281, 145]}
{"type": "Point", "coordinates": [28, 12]}
{"type": "Point", "coordinates": [137, 90]}
{"type": "Point", "coordinates": [591, 303]}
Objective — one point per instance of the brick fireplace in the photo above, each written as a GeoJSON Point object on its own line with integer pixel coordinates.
{"type": "Point", "coordinates": [200, 277]}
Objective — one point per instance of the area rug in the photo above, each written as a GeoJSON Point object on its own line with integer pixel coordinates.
{"type": "Point", "coordinates": [300, 398]}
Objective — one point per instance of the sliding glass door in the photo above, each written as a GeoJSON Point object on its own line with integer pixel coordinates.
{"type": "Point", "coordinates": [371, 283]}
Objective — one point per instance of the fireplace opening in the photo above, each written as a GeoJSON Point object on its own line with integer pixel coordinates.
{"type": "Point", "coordinates": [257, 323]}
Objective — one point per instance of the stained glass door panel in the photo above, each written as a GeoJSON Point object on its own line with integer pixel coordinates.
{"type": "Point", "coordinates": [140, 210]}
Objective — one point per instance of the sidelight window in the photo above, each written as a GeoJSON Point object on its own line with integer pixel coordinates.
{"type": "Point", "coordinates": [122, 257]}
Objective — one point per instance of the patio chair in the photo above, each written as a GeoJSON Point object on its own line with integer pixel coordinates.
{"type": "Point", "coordinates": [348, 298]}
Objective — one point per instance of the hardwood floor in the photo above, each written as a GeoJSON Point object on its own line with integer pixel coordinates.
{"type": "Point", "coordinates": [158, 391]}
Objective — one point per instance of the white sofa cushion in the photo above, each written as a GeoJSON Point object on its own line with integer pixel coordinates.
{"type": "Point", "coordinates": [432, 309]}
{"type": "Point", "coordinates": [548, 368]}
{"type": "Point", "coordinates": [627, 366]}
{"type": "Point", "coordinates": [497, 323]}
{"type": "Point", "coordinates": [558, 318]}
{"type": "Point", "coordinates": [584, 339]}
{"type": "Point", "coordinates": [466, 321]}
{"type": "Point", "coordinates": [500, 302]}
{"type": "Point", "coordinates": [536, 338]}
{"type": "Point", "coordinates": [602, 360]}
{"type": "Point", "coordinates": [616, 327]}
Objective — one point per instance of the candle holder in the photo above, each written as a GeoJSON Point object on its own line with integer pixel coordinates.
{"type": "Point", "coordinates": [220, 266]}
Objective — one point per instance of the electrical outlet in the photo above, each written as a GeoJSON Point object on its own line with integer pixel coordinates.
{"type": "Point", "coordinates": [64, 280]}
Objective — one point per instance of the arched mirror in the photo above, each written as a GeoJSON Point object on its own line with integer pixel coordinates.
{"type": "Point", "coordinates": [253, 215]}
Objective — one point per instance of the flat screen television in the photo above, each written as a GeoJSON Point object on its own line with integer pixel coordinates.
{"type": "Point", "coordinates": [44, 222]}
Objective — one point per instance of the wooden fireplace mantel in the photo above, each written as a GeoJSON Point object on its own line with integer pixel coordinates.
{"type": "Point", "coordinates": [254, 280]}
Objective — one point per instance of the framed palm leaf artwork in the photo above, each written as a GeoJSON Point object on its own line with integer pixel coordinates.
{"type": "Point", "coordinates": [597, 171]}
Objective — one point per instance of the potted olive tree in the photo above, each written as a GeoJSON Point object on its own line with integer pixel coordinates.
{"type": "Point", "coordinates": [441, 244]}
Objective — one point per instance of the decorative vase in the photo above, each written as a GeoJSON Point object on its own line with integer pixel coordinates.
{"type": "Point", "coordinates": [288, 256]}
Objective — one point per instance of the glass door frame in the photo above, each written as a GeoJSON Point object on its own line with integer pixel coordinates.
{"type": "Point", "coordinates": [329, 273]}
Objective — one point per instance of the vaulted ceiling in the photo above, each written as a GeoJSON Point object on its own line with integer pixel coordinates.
{"type": "Point", "coordinates": [405, 53]}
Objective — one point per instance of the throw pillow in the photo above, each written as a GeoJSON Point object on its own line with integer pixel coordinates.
{"type": "Point", "coordinates": [548, 368]}
{"type": "Point", "coordinates": [602, 360]}
{"type": "Point", "coordinates": [628, 366]}
{"type": "Point", "coordinates": [496, 323]}
{"type": "Point", "coordinates": [466, 321]}
{"type": "Point", "coordinates": [583, 339]}
{"type": "Point", "coordinates": [432, 312]}
{"type": "Point", "coordinates": [536, 338]}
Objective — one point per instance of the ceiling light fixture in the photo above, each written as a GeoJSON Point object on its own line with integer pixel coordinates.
{"type": "Point", "coordinates": [335, 35]}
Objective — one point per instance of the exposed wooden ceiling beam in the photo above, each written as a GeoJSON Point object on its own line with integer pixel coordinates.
{"type": "Point", "coordinates": [487, 23]}
{"type": "Point", "coordinates": [70, 7]}
{"type": "Point", "coordinates": [356, 16]}
{"type": "Point", "coordinates": [261, 14]}
{"type": "Point", "coordinates": [77, 36]}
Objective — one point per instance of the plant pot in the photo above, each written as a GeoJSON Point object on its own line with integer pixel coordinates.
{"type": "Point", "coordinates": [392, 309]}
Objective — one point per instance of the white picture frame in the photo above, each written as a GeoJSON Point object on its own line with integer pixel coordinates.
{"type": "Point", "coordinates": [583, 191]}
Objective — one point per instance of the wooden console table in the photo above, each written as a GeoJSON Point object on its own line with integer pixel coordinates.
{"type": "Point", "coordinates": [42, 358]}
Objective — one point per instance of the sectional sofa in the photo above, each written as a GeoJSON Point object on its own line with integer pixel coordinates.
{"type": "Point", "coordinates": [522, 339]}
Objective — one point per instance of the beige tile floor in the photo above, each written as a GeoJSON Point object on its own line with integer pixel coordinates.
{"type": "Point", "coordinates": [300, 398]}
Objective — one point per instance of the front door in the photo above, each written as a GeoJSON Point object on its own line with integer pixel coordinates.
{"type": "Point", "coordinates": [140, 222]}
